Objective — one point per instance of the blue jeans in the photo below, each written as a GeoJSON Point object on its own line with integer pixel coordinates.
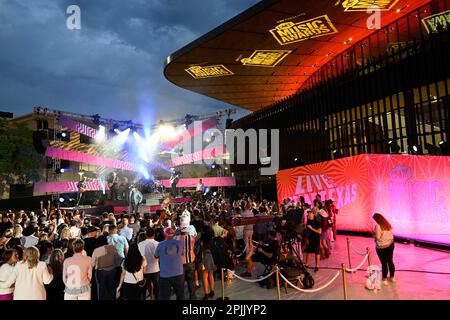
{"type": "Point", "coordinates": [106, 288]}
{"type": "Point", "coordinates": [166, 284]}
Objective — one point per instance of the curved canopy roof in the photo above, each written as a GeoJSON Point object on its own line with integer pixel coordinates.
{"type": "Point", "coordinates": [265, 53]}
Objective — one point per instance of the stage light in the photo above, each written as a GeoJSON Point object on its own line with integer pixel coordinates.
{"type": "Point", "coordinates": [213, 166]}
{"type": "Point", "coordinates": [61, 200]}
{"type": "Point", "coordinates": [63, 136]}
{"type": "Point", "coordinates": [393, 146]}
{"type": "Point", "coordinates": [101, 134]}
{"type": "Point", "coordinates": [166, 132]}
{"type": "Point", "coordinates": [337, 154]}
{"type": "Point", "coordinates": [415, 149]}
{"type": "Point", "coordinates": [295, 159]}
{"type": "Point", "coordinates": [445, 148]}
{"type": "Point", "coordinates": [214, 193]}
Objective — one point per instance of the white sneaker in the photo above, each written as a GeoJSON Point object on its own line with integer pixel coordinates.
{"type": "Point", "coordinates": [385, 282]}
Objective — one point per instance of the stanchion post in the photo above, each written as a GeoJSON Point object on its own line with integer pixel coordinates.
{"type": "Point", "coordinates": [277, 273]}
{"type": "Point", "coordinates": [223, 298]}
{"type": "Point", "coordinates": [344, 281]}
{"type": "Point", "coordinates": [348, 253]}
{"type": "Point", "coordinates": [369, 260]}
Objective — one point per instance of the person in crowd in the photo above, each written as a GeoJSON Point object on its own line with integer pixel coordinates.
{"type": "Point", "coordinates": [51, 232]}
{"type": "Point", "coordinates": [247, 212]}
{"type": "Point", "coordinates": [216, 228]}
{"type": "Point", "coordinates": [6, 237]}
{"type": "Point", "coordinates": [384, 240]}
{"type": "Point", "coordinates": [135, 225]}
{"type": "Point", "coordinates": [126, 231]}
{"type": "Point", "coordinates": [65, 234]}
{"type": "Point", "coordinates": [45, 250]}
{"type": "Point", "coordinates": [324, 236]}
{"type": "Point", "coordinates": [188, 258]}
{"type": "Point", "coordinates": [17, 231]}
{"type": "Point", "coordinates": [55, 289]}
{"type": "Point", "coordinates": [77, 274]}
{"type": "Point", "coordinates": [266, 252]}
{"type": "Point", "coordinates": [104, 258]}
{"type": "Point", "coordinates": [29, 277]}
{"type": "Point", "coordinates": [147, 248]}
{"type": "Point", "coordinates": [121, 245]}
{"type": "Point", "coordinates": [9, 259]}
{"type": "Point", "coordinates": [132, 283]}
{"type": "Point", "coordinates": [333, 211]}
{"type": "Point", "coordinates": [74, 229]}
{"type": "Point", "coordinates": [90, 240]}
{"type": "Point", "coordinates": [29, 238]}
{"type": "Point", "coordinates": [313, 239]}
{"type": "Point", "coordinates": [222, 253]}
{"type": "Point", "coordinates": [6, 223]}
{"type": "Point", "coordinates": [170, 253]}
{"type": "Point", "coordinates": [208, 266]}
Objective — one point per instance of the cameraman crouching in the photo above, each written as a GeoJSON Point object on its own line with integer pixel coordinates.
{"type": "Point", "coordinates": [265, 253]}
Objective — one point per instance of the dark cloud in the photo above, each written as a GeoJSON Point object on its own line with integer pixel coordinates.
{"type": "Point", "coordinates": [113, 65]}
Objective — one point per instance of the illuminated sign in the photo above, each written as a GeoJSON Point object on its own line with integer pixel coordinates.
{"type": "Point", "coordinates": [265, 58]}
{"type": "Point", "coordinates": [363, 5]}
{"type": "Point", "coordinates": [437, 22]}
{"type": "Point", "coordinates": [290, 32]}
{"type": "Point", "coordinates": [198, 72]}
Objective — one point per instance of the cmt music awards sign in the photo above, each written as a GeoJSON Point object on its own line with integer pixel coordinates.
{"type": "Point", "coordinates": [413, 192]}
{"type": "Point", "coordinates": [291, 32]}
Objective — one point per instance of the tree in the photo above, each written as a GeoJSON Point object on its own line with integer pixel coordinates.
{"type": "Point", "coordinates": [18, 158]}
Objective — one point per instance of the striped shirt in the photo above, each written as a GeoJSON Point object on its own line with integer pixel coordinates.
{"type": "Point", "coordinates": [188, 248]}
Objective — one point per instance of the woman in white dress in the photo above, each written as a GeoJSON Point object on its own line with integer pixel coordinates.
{"type": "Point", "coordinates": [30, 276]}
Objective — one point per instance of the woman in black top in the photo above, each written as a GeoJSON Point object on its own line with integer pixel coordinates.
{"type": "Point", "coordinates": [313, 239]}
{"type": "Point", "coordinates": [55, 289]}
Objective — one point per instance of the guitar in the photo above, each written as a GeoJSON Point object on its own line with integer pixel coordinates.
{"type": "Point", "coordinates": [174, 179]}
{"type": "Point", "coordinates": [112, 183]}
{"type": "Point", "coordinates": [82, 185]}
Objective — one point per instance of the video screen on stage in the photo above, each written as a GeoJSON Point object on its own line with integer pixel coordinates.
{"type": "Point", "coordinates": [412, 192]}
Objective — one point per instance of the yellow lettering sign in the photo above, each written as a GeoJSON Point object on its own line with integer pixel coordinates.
{"type": "Point", "coordinates": [199, 72]}
{"type": "Point", "coordinates": [290, 32]}
{"type": "Point", "coordinates": [437, 22]}
{"type": "Point", "coordinates": [363, 5]}
{"type": "Point", "coordinates": [265, 58]}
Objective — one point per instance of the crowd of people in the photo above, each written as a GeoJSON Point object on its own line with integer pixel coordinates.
{"type": "Point", "coordinates": [181, 248]}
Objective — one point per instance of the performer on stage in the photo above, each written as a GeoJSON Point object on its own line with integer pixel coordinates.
{"type": "Point", "coordinates": [81, 186]}
{"type": "Point", "coordinates": [136, 198]}
{"type": "Point", "coordinates": [174, 178]}
{"type": "Point", "coordinates": [112, 185]}
{"type": "Point", "coordinates": [200, 190]}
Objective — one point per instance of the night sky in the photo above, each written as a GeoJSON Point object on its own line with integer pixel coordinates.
{"type": "Point", "coordinates": [113, 65]}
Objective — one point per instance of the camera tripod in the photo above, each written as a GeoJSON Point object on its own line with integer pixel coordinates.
{"type": "Point", "coordinates": [307, 280]}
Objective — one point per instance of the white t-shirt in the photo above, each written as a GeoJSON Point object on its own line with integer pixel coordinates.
{"type": "Point", "coordinates": [6, 271]}
{"type": "Point", "coordinates": [30, 241]}
{"type": "Point", "coordinates": [147, 248]}
{"type": "Point", "coordinates": [137, 276]}
{"type": "Point", "coordinates": [75, 231]}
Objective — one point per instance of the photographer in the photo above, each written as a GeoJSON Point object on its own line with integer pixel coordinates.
{"type": "Point", "coordinates": [265, 251]}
